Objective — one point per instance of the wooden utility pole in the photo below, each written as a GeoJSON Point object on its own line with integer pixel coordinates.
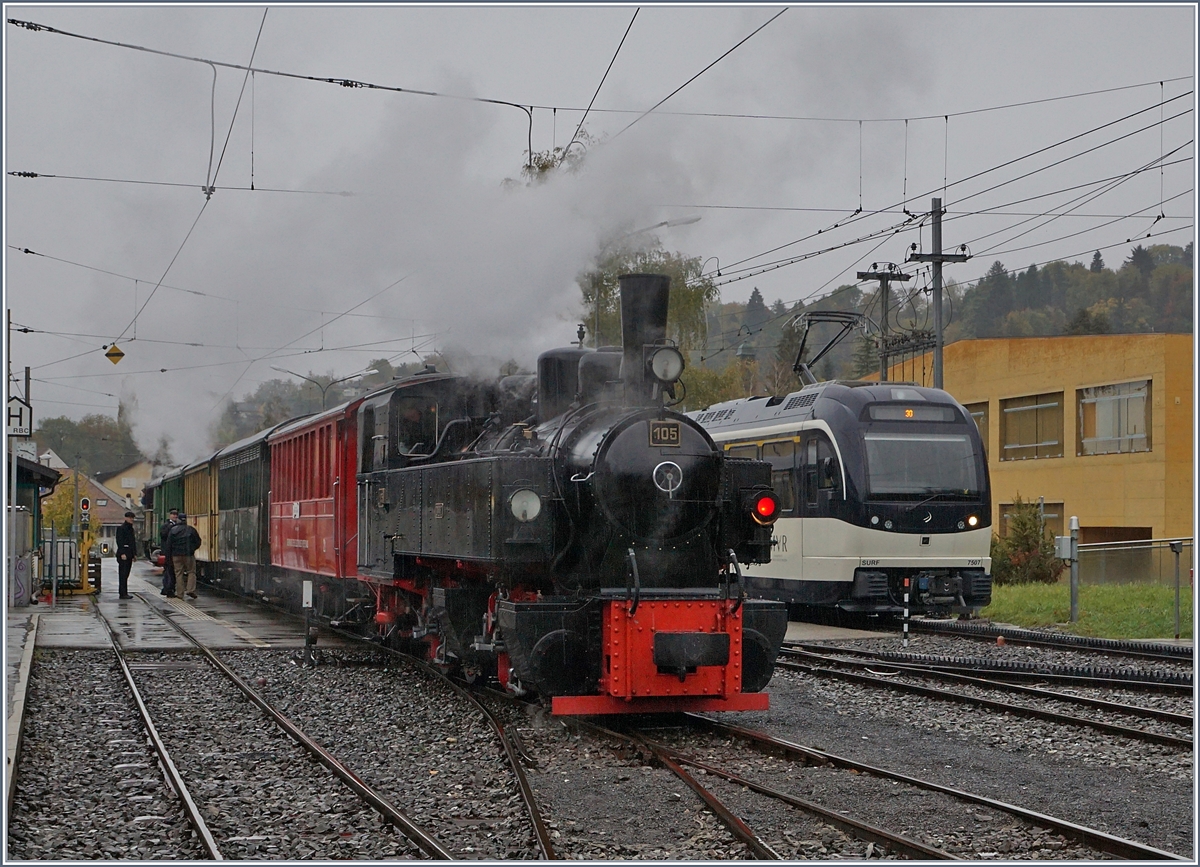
{"type": "Point", "coordinates": [884, 277]}
{"type": "Point", "coordinates": [937, 257]}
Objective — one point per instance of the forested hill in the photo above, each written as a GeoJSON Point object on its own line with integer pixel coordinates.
{"type": "Point", "coordinates": [1151, 291]}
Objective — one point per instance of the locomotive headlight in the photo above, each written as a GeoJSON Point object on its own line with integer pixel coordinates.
{"type": "Point", "coordinates": [525, 504]}
{"type": "Point", "coordinates": [666, 364]}
{"type": "Point", "coordinates": [973, 520]}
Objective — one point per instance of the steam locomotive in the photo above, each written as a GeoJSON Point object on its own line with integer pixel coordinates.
{"type": "Point", "coordinates": [564, 533]}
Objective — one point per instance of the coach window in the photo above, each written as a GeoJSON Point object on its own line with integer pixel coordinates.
{"type": "Point", "coordinates": [782, 458]}
{"type": "Point", "coordinates": [1114, 418]}
{"type": "Point", "coordinates": [1032, 427]}
{"type": "Point", "coordinates": [742, 452]}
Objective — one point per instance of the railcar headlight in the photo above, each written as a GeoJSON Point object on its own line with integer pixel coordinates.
{"type": "Point", "coordinates": [973, 520]}
{"type": "Point", "coordinates": [667, 364]}
{"type": "Point", "coordinates": [525, 504]}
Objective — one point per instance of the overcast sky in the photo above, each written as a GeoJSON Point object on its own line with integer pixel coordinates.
{"type": "Point", "coordinates": [379, 223]}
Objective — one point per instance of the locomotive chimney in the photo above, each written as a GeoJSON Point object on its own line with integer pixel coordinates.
{"type": "Point", "coordinates": [644, 299]}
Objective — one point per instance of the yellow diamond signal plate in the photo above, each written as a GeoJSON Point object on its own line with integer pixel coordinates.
{"type": "Point", "coordinates": [114, 354]}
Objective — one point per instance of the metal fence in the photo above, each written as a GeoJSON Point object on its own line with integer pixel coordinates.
{"type": "Point", "coordinates": [1145, 562]}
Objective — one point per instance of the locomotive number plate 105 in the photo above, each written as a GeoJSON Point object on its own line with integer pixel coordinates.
{"type": "Point", "coordinates": [664, 433]}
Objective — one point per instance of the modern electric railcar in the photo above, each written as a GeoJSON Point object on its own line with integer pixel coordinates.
{"type": "Point", "coordinates": [880, 483]}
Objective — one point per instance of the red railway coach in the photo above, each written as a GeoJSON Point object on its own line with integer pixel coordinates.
{"type": "Point", "coordinates": [313, 523]}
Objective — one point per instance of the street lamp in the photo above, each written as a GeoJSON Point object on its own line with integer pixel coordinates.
{"type": "Point", "coordinates": [325, 388]}
{"type": "Point", "coordinates": [665, 224]}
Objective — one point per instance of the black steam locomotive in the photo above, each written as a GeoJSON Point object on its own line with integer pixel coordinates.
{"type": "Point", "coordinates": [569, 534]}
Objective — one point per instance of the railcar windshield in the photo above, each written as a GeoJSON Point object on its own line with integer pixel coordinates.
{"type": "Point", "coordinates": [918, 465]}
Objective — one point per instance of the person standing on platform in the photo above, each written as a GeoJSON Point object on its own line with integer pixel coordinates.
{"type": "Point", "coordinates": [168, 585]}
{"type": "Point", "coordinates": [126, 551]}
{"type": "Point", "coordinates": [182, 542]}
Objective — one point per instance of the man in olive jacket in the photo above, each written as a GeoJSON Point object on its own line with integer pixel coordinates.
{"type": "Point", "coordinates": [182, 542]}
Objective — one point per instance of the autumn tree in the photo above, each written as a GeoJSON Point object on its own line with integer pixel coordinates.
{"type": "Point", "coordinates": [691, 294]}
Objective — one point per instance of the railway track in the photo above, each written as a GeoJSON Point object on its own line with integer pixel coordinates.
{"type": "Point", "coordinates": [428, 845]}
{"type": "Point", "coordinates": [1160, 651]}
{"type": "Point", "coordinates": [902, 678]}
{"type": "Point", "coordinates": [1094, 840]}
{"type": "Point", "coordinates": [1171, 681]}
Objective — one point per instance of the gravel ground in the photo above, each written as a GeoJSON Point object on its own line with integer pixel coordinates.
{"type": "Point", "coordinates": [261, 794]}
{"type": "Point", "coordinates": [410, 738]}
{"type": "Point", "coordinates": [961, 829]}
{"type": "Point", "coordinates": [1138, 791]}
{"type": "Point", "coordinates": [603, 802]}
{"type": "Point", "coordinates": [89, 786]}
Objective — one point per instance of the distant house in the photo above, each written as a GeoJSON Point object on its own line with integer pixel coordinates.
{"type": "Point", "coordinates": [128, 482]}
{"type": "Point", "coordinates": [48, 458]}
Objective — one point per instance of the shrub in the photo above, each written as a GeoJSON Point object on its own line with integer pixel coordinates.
{"type": "Point", "coordinates": [1026, 554]}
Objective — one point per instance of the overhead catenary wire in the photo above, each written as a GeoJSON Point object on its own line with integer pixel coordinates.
{"type": "Point", "coordinates": [701, 72]}
{"type": "Point", "coordinates": [603, 78]}
{"type": "Point", "coordinates": [351, 83]}
{"type": "Point", "coordinates": [856, 218]}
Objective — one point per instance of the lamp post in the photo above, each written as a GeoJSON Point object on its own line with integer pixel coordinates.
{"type": "Point", "coordinates": [665, 224]}
{"type": "Point", "coordinates": [325, 388]}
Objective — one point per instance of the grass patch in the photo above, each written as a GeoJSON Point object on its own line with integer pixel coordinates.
{"type": "Point", "coordinates": [1105, 610]}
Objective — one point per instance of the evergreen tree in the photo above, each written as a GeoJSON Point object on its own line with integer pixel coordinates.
{"type": "Point", "coordinates": [1026, 554]}
{"type": "Point", "coordinates": [866, 357]}
{"type": "Point", "coordinates": [1141, 260]}
{"type": "Point", "coordinates": [1097, 263]}
{"type": "Point", "coordinates": [756, 312]}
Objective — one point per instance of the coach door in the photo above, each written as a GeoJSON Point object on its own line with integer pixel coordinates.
{"type": "Point", "coordinates": [786, 537]}
{"type": "Point", "coordinates": [821, 476]}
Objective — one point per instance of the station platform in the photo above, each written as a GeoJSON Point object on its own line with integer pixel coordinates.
{"type": "Point", "coordinates": [220, 622]}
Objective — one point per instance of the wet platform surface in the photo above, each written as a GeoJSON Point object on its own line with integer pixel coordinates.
{"type": "Point", "coordinates": [220, 621]}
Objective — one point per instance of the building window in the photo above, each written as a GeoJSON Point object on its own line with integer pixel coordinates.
{"type": "Point", "coordinates": [101, 502]}
{"type": "Point", "coordinates": [979, 412]}
{"type": "Point", "coordinates": [1114, 418]}
{"type": "Point", "coordinates": [1052, 518]}
{"type": "Point", "coordinates": [1032, 427]}
{"type": "Point", "coordinates": [128, 482]}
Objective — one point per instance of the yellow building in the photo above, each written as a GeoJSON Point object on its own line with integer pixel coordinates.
{"type": "Point", "coordinates": [1099, 426]}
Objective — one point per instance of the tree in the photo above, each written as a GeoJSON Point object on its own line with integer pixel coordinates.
{"type": "Point", "coordinates": [691, 294]}
{"type": "Point", "coordinates": [58, 509]}
{"type": "Point", "coordinates": [98, 444]}
{"type": "Point", "coordinates": [705, 386]}
{"type": "Point", "coordinates": [1141, 260]}
{"type": "Point", "coordinates": [756, 312]}
{"type": "Point", "coordinates": [866, 357]}
{"type": "Point", "coordinates": [1097, 263]}
{"type": "Point", "coordinates": [1026, 554]}
{"type": "Point", "coordinates": [1083, 322]}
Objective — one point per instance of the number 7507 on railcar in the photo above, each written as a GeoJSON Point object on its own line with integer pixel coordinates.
{"type": "Point", "coordinates": [880, 484]}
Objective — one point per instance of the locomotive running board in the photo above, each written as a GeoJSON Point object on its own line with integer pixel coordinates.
{"type": "Point", "coordinates": [595, 705]}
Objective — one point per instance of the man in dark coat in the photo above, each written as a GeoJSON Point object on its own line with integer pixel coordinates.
{"type": "Point", "coordinates": [126, 551]}
{"type": "Point", "coordinates": [182, 542]}
{"type": "Point", "coordinates": [168, 586]}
